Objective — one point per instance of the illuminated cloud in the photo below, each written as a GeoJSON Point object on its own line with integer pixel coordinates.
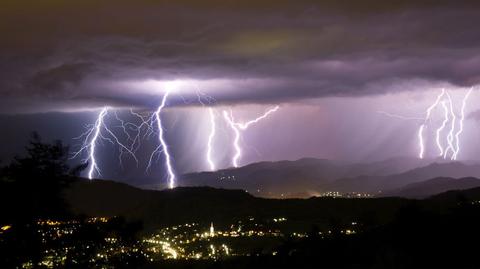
{"type": "Point", "coordinates": [61, 56]}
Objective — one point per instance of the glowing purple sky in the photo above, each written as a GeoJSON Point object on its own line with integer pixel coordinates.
{"type": "Point", "coordinates": [56, 54]}
{"type": "Point", "coordinates": [331, 67]}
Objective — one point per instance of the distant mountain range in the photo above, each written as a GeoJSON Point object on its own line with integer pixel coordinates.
{"type": "Point", "coordinates": [270, 179]}
{"type": "Point", "coordinates": [434, 186]}
{"type": "Point", "coordinates": [205, 204]}
{"type": "Point", "coordinates": [379, 184]}
{"type": "Point", "coordinates": [312, 177]}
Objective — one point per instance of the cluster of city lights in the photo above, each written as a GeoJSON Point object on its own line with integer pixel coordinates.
{"type": "Point", "coordinates": [189, 241]}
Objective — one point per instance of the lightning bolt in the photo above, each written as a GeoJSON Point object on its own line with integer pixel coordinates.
{"type": "Point", "coordinates": [453, 138]}
{"type": "Point", "coordinates": [145, 124]}
{"type": "Point", "coordinates": [452, 129]}
{"type": "Point", "coordinates": [462, 118]}
{"type": "Point", "coordinates": [439, 130]}
{"type": "Point", "coordinates": [211, 136]}
{"type": "Point", "coordinates": [93, 143]}
{"type": "Point", "coordinates": [238, 150]}
{"type": "Point", "coordinates": [93, 136]}
{"type": "Point", "coordinates": [420, 139]}
{"type": "Point", "coordinates": [210, 161]}
{"type": "Point", "coordinates": [245, 125]}
{"type": "Point", "coordinates": [391, 115]}
{"type": "Point", "coordinates": [163, 147]}
{"type": "Point", "coordinates": [236, 127]}
{"type": "Point", "coordinates": [422, 127]}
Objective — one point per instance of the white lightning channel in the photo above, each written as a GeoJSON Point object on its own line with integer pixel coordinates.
{"type": "Point", "coordinates": [236, 127]}
{"type": "Point", "coordinates": [209, 158]}
{"type": "Point", "coordinates": [145, 124]}
{"type": "Point", "coordinates": [422, 127]}
{"type": "Point", "coordinates": [452, 129]}
{"type": "Point", "coordinates": [462, 118]}
{"type": "Point", "coordinates": [93, 142]}
{"type": "Point", "coordinates": [163, 147]}
{"type": "Point", "coordinates": [94, 135]}
{"type": "Point", "coordinates": [236, 140]}
{"type": "Point", "coordinates": [439, 130]}
{"type": "Point", "coordinates": [420, 139]}
{"type": "Point", "coordinates": [210, 161]}
{"type": "Point", "coordinates": [245, 125]}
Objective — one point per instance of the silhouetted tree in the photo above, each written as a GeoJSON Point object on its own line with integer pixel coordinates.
{"type": "Point", "coordinates": [32, 185]}
{"type": "Point", "coordinates": [31, 189]}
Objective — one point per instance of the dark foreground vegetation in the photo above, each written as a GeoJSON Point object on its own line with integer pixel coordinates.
{"type": "Point", "coordinates": [438, 232]}
{"type": "Point", "coordinates": [31, 192]}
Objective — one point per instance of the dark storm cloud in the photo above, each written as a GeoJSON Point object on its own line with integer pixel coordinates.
{"type": "Point", "coordinates": [60, 78]}
{"type": "Point", "coordinates": [58, 54]}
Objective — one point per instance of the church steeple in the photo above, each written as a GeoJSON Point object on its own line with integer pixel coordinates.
{"type": "Point", "coordinates": [212, 230]}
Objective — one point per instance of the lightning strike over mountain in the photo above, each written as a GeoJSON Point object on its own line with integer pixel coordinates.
{"type": "Point", "coordinates": [92, 137]}
{"type": "Point", "coordinates": [421, 142]}
{"type": "Point", "coordinates": [238, 150]}
{"type": "Point", "coordinates": [422, 127]}
{"type": "Point", "coordinates": [163, 147]}
{"type": "Point", "coordinates": [450, 117]}
{"type": "Point", "coordinates": [211, 136]}
{"type": "Point", "coordinates": [439, 130]}
{"type": "Point", "coordinates": [462, 118]}
{"type": "Point", "coordinates": [93, 143]}
{"type": "Point", "coordinates": [452, 129]}
{"type": "Point", "coordinates": [236, 127]}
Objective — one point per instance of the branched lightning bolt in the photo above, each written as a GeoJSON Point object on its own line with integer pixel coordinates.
{"type": "Point", "coordinates": [462, 118]}
{"type": "Point", "coordinates": [211, 136]}
{"type": "Point", "coordinates": [163, 147]}
{"type": "Point", "coordinates": [210, 161]}
{"type": "Point", "coordinates": [145, 124]}
{"type": "Point", "coordinates": [453, 138]}
{"type": "Point", "coordinates": [452, 129]}
{"type": "Point", "coordinates": [93, 143]}
{"type": "Point", "coordinates": [236, 127]}
{"type": "Point", "coordinates": [93, 136]}
{"type": "Point", "coordinates": [422, 127]}
{"type": "Point", "coordinates": [245, 125]}
{"type": "Point", "coordinates": [238, 150]}
{"type": "Point", "coordinates": [439, 130]}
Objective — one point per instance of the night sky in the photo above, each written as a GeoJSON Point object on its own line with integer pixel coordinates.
{"type": "Point", "coordinates": [337, 69]}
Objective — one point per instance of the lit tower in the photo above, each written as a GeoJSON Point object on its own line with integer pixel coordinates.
{"type": "Point", "coordinates": [212, 230]}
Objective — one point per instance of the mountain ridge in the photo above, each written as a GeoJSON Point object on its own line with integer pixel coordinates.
{"type": "Point", "coordinates": [310, 175]}
{"type": "Point", "coordinates": [433, 187]}
{"type": "Point", "coordinates": [205, 204]}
